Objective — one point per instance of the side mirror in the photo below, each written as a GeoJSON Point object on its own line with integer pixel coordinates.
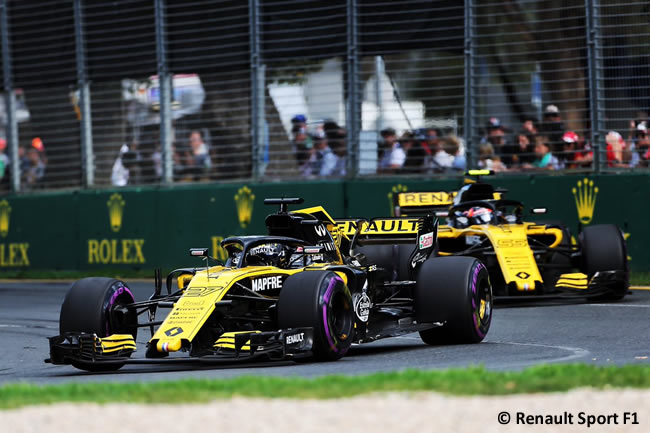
{"type": "Point", "coordinates": [441, 213]}
{"type": "Point", "coordinates": [199, 252]}
{"type": "Point", "coordinates": [538, 210]}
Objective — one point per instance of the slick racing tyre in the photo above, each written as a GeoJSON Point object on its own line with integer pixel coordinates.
{"type": "Point", "coordinates": [603, 249]}
{"type": "Point", "coordinates": [322, 301]}
{"type": "Point", "coordinates": [88, 307]}
{"type": "Point", "coordinates": [457, 292]}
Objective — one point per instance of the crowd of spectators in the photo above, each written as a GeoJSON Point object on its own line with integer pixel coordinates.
{"type": "Point", "coordinates": [425, 150]}
{"type": "Point", "coordinates": [550, 146]}
{"type": "Point", "coordinates": [319, 150]}
{"type": "Point", "coordinates": [33, 163]}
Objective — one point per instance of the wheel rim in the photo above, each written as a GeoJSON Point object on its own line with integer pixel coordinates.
{"type": "Point", "coordinates": [481, 303]}
{"type": "Point", "coordinates": [339, 319]}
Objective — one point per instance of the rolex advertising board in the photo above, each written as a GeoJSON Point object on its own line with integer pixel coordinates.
{"type": "Point", "coordinates": [144, 228]}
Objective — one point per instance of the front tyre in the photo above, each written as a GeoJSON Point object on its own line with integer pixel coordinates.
{"type": "Point", "coordinates": [457, 292]}
{"type": "Point", "coordinates": [88, 307]}
{"type": "Point", "coordinates": [322, 301]}
{"type": "Point", "coordinates": [603, 249]}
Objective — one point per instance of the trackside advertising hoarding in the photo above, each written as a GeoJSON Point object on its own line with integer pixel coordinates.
{"type": "Point", "coordinates": [144, 228]}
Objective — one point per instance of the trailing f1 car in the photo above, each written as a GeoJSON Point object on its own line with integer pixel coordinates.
{"type": "Point", "coordinates": [296, 292]}
{"type": "Point", "coordinates": [524, 258]}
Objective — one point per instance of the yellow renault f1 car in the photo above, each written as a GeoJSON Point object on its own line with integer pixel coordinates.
{"type": "Point", "coordinates": [297, 292]}
{"type": "Point", "coordinates": [524, 258]}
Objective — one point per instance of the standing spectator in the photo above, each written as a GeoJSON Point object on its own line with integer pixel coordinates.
{"type": "Point", "coordinates": [553, 127]}
{"type": "Point", "coordinates": [414, 159]}
{"type": "Point", "coordinates": [392, 154]}
{"type": "Point", "coordinates": [198, 158]}
{"type": "Point", "coordinates": [299, 122]}
{"type": "Point", "coordinates": [322, 162]}
{"type": "Point", "coordinates": [302, 144]}
{"type": "Point", "coordinates": [35, 169]}
{"type": "Point", "coordinates": [336, 141]}
{"type": "Point", "coordinates": [640, 146]}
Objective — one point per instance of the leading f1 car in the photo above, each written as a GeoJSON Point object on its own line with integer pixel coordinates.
{"type": "Point", "coordinates": [308, 289]}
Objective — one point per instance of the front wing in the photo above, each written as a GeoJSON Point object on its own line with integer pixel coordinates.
{"type": "Point", "coordinates": [89, 349]}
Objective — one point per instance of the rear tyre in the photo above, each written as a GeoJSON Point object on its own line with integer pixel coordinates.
{"type": "Point", "coordinates": [88, 307]}
{"type": "Point", "coordinates": [456, 291]}
{"type": "Point", "coordinates": [322, 301]}
{"type": "Point", "coordinates": [603, 249]}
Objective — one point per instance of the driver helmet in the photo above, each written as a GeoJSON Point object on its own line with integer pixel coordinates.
{"type": "Point", "coordinates": [478, 215]}
{"type": "Point", "coordinates": [277, 255]}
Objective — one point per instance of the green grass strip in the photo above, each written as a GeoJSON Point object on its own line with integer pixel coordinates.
{"type": "Point", "coordinates": [469, 381]}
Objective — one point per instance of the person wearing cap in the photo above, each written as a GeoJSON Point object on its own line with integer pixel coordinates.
{"type": "Point", "coordinates": [617, 151]}
{"type": "Point", "coordinates": [640, 145]}
{"type": "Point", "coordinates": [553, 127]}
{"type": "Point", "coordinates": [569, 150]}
{"type": "Point", "coordinates": [393, 155]}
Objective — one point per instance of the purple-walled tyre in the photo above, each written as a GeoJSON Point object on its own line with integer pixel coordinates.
{"type": "Point", "coordinates": [321, 300]}
{"type": "Point", "coordinates": [89, 307]}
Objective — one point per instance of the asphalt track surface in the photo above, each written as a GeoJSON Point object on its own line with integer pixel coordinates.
{"type": "Point", "coordinates": [520, 336]}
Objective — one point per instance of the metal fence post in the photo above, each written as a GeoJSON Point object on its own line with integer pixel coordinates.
{"type": "Point", "coordinates": [87, 156]}
{"type": "Point", "coordinates": [469, 111]}
{"type": "Point", "coordinates": [379, 73]}
{"type": "Point", "coordinates": [10, 97]}
{"type": "Point", "coordinates": [165, 86]}
{"type": "Point", "coordinates": [353, 104]}
{"type": "Point", "coordinates": [257, 89]}
{"type": "Point", "coordinates": [596, 96]}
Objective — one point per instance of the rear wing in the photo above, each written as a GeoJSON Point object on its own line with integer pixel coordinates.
{"type": "Point", "coordinates": [378, 230]}
{"type": "Point", "coordinates": [422, 203]}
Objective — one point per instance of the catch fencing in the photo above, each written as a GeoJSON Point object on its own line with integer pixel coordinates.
{"type": "Point", "coordinates": [132, 92]}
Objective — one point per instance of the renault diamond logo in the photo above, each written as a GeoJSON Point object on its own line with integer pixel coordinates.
{"type": "Point", "coordinates": [244, 201]}
{"type": "Point", "coordinates": [523, 275]}
{"type": "Point", "coordinates": [174, 331]}
{"type": "Point", "coordinates": [115, 210]}
{"type": "Point", "coordinates": [5, 211]}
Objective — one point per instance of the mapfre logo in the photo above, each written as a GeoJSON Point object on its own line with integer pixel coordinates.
{"type": "Point", "coordinates": [244, 199]}
{"type": "Point", "coordinates": [266, 283]}
{"type": "Point", "coordinates": [115, 211]}
{"type": "Point", "coordinates": [585, 197]}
